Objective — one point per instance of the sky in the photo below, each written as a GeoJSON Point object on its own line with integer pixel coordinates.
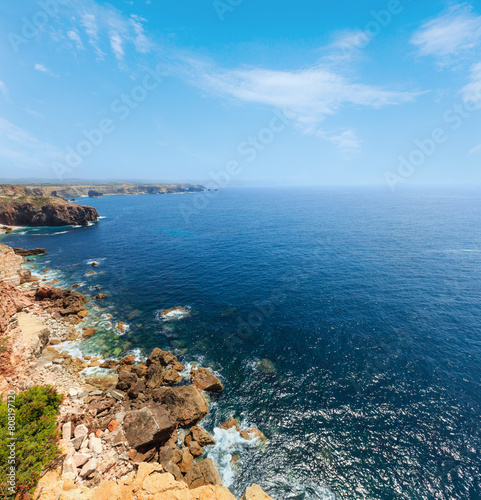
{"type": "Point", "coordinates": [242, 92]}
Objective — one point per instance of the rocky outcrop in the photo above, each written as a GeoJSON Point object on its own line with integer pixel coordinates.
{"type": "Point", "coordinates": [150, 482]}
{"type": "Point", "coordinates": [44, 212]}
{"type": "Point", "coordinates": [29, 253]}
{"type": "Point", "coordinates": [11, 271]}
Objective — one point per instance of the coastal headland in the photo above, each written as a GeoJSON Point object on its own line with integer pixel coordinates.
{"type": "Point", "coordinates": [51, 205]}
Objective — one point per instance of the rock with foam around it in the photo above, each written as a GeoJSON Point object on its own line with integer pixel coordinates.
{"type": "Point", "coordinates": [204, 380]}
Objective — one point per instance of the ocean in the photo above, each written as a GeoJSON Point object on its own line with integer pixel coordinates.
{"type": "Point", "coordinates": [344, 323]}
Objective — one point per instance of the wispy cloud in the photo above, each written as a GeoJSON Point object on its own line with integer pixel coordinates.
{"type": "Point", "coordinates": [104, 24]}
{"type": "Point", "coordinates": [456, 31]}
{"type": "Point", "coordinates": [472, 91]}
{"type": "Point", "coordinates": [23, 150]}
{"type": "Point", "coordinates": [75, 37]}
{"type": "Point", "coordinates": [308, 96]}
{"type": "Point", "coordinates": [41, 67]}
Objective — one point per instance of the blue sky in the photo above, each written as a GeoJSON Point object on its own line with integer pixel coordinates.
{"type": "Point", "coordinates": [257, 92]}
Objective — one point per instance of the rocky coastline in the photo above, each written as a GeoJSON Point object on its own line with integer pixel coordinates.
{"type": "Point", "coordinates": [69, 191]}
{"type": "Point", "coordinates": [36, 212]}
{"type": "Point", "coordinates": [135, 433]}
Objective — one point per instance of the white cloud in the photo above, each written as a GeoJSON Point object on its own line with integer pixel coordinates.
{"type": "Point", "coordinates": [454, 32]}
{"type": "Point", "coordinates": [104, 23]}
{"type": "Point", "coordinates": [307, 96]}
{"type": "Point", "coordinates": [41, 67]}
{"type": "Point", "coordinates": [44, 69]}
{"type": "Point", "coordinates": [23, 150]}
{"type": "Point", "coordinates": [75, 37]}
{"type": "Point", "coordinates": [116, 44]}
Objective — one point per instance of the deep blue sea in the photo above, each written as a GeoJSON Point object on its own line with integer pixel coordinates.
{"type": "Point", "coordinates": [345, 324]}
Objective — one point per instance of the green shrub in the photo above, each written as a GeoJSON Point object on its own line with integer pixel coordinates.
{"type": "Point", "coordinates": [36, 437]}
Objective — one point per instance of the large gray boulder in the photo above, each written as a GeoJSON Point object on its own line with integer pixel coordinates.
{"type": "Point", "coordinates": [149, 427]}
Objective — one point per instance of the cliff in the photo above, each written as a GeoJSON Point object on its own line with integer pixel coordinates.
{"type": "Point", "coordinates": [24, 210]}
{"type": "Point", "coordinates": [77, 191]}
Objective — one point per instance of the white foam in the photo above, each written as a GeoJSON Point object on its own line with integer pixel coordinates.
{"type": "Point", "coordinates": [228, 443]}
{"type": "Point", "coordinates": [176, 314]}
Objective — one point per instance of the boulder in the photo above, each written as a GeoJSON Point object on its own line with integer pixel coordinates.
{"type": "Point", "coordinates": [187, 461]}
{"type": "Point", "coordinates": [126, 380]}
{"type": "Point", "coordinates": [255, 492]}
{"type": "Point", "coordinates": [230, 424]}
{"type": "Point", "coordinates": [252, 434]}
{"type": "Point", "coordinates": [204, 380]}
{"type": "Point", "coordinates": [195, 449]}
{"type": "Point", "coordinates": [89, 332]}
{"type": "Point", "coordinates": [164, 358]}
{"type": "Point", "coordinates": [186, 404]}
{"type": "Point", "coordinates": [202, 474]}
{"type": "Point", "coordinates": [28, 253]}
{"type": "Point", "coordinates": [154, 376]}
{"type": "Point", "coordinates": [202, 437]}
{"type": "Point", "coordinates": [148, 427]}
{"type": "Point", "coordinates": [140, 370]}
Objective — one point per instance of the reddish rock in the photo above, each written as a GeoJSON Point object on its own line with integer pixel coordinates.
{"type": "Point", "coordinates": [204, 380]}
{"type": "Point", "coordinates": [113, 425]}
{"type": "Point", "coordinates": [164, 358]}
{"type": "Point", "coordinates": [202, 474]}
{"type": "Point", "coordinates": [89, 332]}
{"type": "Point", "coordinates": [202, 437]}
{"type": "Point", "coordinates": [231, 423]}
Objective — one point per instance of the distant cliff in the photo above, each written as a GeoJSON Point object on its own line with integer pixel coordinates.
{"type": "Point", "coordinates": [77, 191]}
{"type": "Point", "coordinates": [44, 211]}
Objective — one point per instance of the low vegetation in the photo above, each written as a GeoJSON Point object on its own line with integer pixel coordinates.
{"type": "Point", "coordinates": [29, 421]}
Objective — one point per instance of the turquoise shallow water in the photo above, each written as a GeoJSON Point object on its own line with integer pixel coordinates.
{"type": "Point", "coordinates": [345, 324]}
